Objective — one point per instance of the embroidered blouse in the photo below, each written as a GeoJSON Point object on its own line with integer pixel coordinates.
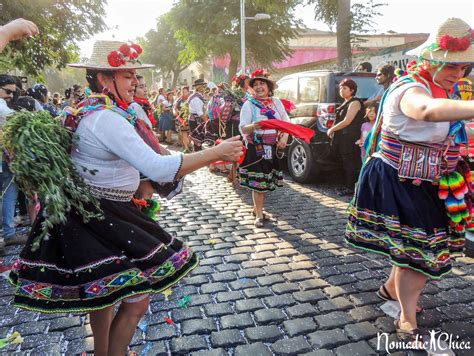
{"type": "Point", "coordinates": [109, 144]}
{"type": "Point", "coordinates": [250, 114]}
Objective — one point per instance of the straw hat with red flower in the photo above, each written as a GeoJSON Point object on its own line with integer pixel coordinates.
{"type": "Point", "coordinates": [114, 55]}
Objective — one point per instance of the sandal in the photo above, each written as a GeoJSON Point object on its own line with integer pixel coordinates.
{"type": "Point", "coordinates": [258, 222]}
{"type": "Point", "coordinates": [387, 297]}
{"type": "Point", "coordinates": [412, 338]}
{"type": "Point", "coordinates": [265, 215]}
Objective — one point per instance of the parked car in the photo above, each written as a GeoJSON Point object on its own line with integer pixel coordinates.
{"type": "Point", "coordinates": [316, 97]}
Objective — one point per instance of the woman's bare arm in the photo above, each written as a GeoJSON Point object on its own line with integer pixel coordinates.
{"type": "Point", "coordinates": [417, 104]}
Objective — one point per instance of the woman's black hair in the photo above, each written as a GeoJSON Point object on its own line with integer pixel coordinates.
{"type": "Point", "coordinates": [6, 79]}
{"type": "Point", "coordinates": [67, 93]}
{"type": "Point", "coordinates": [25, 103]}
{"type": "Point", "coordinates": [91, 77]}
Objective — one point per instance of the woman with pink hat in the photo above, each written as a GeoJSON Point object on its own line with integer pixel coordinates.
{"type": "Point", "coordinates": [92, 266]}
{"type": "Point", "coordinates": [411, 202]}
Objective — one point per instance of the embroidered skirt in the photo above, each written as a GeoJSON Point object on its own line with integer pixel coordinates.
{"type": "Point", "coordinates": [259, 174]}
{"type": "Point", "coordinates": [405, 222]}
{"type": "Point", "coordinates": [88, 266]}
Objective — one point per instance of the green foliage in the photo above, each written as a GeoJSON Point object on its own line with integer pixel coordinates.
{"type": "Point", "coordinates": [362, 15]}
{"type": "Point", "coordinates": [360, 20]}
{"type": "Point", "coordinates": [160, 47]}
{"type": "Point", "coordinates": [61, 23]}
{"type": "Point", "coordinates": [42, 165]}
{"type": "Point", "coordinates": [213, 28]}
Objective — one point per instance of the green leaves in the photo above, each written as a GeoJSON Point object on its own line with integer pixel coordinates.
{"type": "Point", "coordinates": [62, 24]}
{"type": "Point", "coordinates": [42, 165]}
{"type": "Point", "coordinates": [213, 28]}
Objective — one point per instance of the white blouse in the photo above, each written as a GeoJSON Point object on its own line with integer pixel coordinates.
{"type": "Point", "coordinates": [108, 143]}
{"type": "Point", "coordinates": [141, 114]}
{"type": "Point", "coordinates": [409, 129]}
{"type": "Point", "coordinates": [250, 114]}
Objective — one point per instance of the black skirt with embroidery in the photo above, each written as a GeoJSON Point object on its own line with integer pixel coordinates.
{"type": "Point", "coordinates": [260, 174]}
{"type": "Point", "coordinates": [82, 267]}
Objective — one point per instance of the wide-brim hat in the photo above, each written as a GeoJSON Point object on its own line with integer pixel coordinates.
{"type": "Point", "coordinates": [451, 42]}
{"type": "Point", "coordinates": [262, 75]}
{"type": "Point", "coordinates": [113, 56]}
{"type": "Point", "coordinates": [199, 82]}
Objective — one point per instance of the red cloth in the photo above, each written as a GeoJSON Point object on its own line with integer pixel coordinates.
{"type": "Point", "coordinates": [145, 104]}
{"type": "Point", "coordinates": [437, 91]}
{"type": "Point", "coordinates": [297, 131]}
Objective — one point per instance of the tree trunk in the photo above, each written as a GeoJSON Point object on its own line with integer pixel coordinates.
{"type": "Point", "coordinates": [232, 68]}
{"type": "Point", "coordinates": [343, 28]}
{"type": "Point", "coordinates": [176, 72]}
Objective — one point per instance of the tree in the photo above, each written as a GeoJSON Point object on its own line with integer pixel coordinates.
{"type": "Point", "coordinates": [350, 22]}
{"type": "Point", "coordinates": [213, 28]}
{"type": "Point", "coordinates": [61, 23]}
{"type": "Point", "coordinates": [161, 48]}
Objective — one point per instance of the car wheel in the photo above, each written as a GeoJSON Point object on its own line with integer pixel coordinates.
{"type": "Point", "coordinates": [301, 164]}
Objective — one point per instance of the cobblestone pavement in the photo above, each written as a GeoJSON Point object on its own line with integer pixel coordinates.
{"type": "Point", "coordinates": [292, 287]}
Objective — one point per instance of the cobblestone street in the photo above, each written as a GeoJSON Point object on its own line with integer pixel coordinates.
{"type": "Point", "coordinates": [292, 287]}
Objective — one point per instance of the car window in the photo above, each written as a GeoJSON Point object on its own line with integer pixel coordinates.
{"type": "Point", "coordinates": [309, 89]}
{"type": "Point", "coordinates": [366, 86]}
{"type": "Point", "coordinates": [287, 89]}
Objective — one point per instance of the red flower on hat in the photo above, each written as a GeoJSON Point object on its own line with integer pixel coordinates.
{"type": "Point", "coordinates": [133, 54]}
{"type": "Point", "coordinates": [454, 43]}
{"type": "Point", "coordinates": [116, 59]}
{"type": "Point", "coordinates": [125, 49]}
{"type": "Point", "coordinates": [259, 73]}
{"type": "Point", "coordinates": [137, 48]}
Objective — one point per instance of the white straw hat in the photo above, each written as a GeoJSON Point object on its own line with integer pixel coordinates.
{"type": "Point", "coordinates": [113, 55]}
{"type": "Point", "coordinates": [451, 42]}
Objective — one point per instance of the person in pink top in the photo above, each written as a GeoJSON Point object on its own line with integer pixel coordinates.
{"type": "Point", "coordinates": [371, 115]}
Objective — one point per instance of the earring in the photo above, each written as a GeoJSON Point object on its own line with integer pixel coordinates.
{"type": "Point", "coordinates": [105, 91]}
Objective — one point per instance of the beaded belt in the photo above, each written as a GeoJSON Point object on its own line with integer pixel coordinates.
{"type": "Point", "coordinates": [111, 194]}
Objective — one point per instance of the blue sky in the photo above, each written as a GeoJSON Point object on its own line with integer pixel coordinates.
{"type": "Point", "coordinates": [133, 18]}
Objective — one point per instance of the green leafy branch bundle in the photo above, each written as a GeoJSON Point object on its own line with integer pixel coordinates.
{"type": "Point", "coordinates": [42, 165]}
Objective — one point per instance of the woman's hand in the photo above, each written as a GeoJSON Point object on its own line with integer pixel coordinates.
{"type": "Point", "coordinates": [230, 149]}
{"type": "Point", "coordinates": [248, 129]}
{"type": "Point", "coordinates": [18, 29]}
{"type": "Point", "coordinates": [330, 133]}
{"type": "Point", "coordinates": [359, 143]}
{"type": "Point", "coordinates": [281, 144]}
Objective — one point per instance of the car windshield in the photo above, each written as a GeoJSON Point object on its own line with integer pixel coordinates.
{"type": "Point", "coordinates": [366, 86]}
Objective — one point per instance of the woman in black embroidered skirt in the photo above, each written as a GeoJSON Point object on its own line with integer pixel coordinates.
{"type": "Point", "coordinates": [260, 171]}
{"type": "Point", "coordinates": [90, 267]}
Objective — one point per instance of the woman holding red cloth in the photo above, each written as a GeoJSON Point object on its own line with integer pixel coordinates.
{"type": "Point", "coordinates": [260, 171]}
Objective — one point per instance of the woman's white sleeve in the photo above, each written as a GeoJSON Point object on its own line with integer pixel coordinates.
{"type": "Point", "coordinates": [281, 110]}
{"type": "Point", "coordinates": [245, 115]}
{"type": "Point", "coordinates": [120, 137]}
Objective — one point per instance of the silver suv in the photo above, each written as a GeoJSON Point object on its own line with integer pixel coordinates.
{"type": "Point", "coordinates": [316, 97]}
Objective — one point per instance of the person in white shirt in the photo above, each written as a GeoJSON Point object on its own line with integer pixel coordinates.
{"type": "Point", "coordinates": [92, 266]}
